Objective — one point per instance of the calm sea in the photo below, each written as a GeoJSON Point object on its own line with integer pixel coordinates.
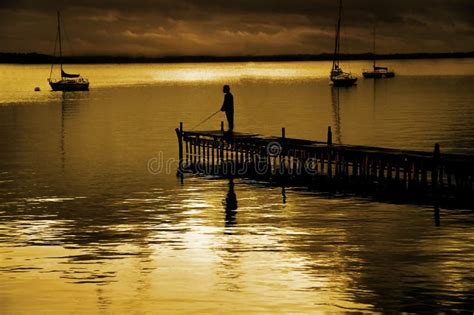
{"type": "Point", "coordinates": [85, 225]}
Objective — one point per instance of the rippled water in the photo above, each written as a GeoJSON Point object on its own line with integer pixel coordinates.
{"type": "Point", "coordinates": [85, 226]}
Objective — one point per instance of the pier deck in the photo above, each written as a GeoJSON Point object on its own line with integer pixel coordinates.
{"type": "Point", "coordinates": [416, 175]}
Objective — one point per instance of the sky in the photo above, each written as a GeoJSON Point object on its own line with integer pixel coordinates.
{"type": "Point", "coordinates": [235, 27]}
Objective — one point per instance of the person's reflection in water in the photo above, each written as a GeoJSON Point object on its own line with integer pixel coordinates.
{"type": "Point", "coordinates": [230, 205]}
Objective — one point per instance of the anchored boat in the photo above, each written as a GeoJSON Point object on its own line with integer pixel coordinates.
{"type": "Point", "coordinates": [68, 81]}
{"type": "Point", "coordinates": [338, 76]}
{"type": "Point", "coordinates": [377, 72]}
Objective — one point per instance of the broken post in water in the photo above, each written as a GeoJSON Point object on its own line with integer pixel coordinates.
{"type": "Point", "coordinates": [400, 174]}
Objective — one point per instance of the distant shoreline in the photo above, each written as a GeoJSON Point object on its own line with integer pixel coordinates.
{"type": "Point", "coordinates": [35, 58]}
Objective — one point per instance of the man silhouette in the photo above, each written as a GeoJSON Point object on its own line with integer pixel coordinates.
{"type": "Point", "coordinates": [228, 107]}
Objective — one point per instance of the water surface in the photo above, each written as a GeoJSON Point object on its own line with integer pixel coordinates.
{"type": "Point", "coordinates": [83, 218]}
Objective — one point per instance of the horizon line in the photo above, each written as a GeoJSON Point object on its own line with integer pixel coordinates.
{"type": "Point", "coordinates": [35, 57]}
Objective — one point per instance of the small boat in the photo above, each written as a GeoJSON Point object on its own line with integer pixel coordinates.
{"type": "Point", "coordinates": [338, 76]}
{"type": "Point", "coordinates": [377, 72]}
{"type": "Point", "coordinates": [68, 81]}
{"type": "Point", "coordinates": [343, 79]}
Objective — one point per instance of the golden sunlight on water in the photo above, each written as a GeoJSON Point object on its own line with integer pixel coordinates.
{"type": "Point", "coordinates": [179, 263]}
{"type": "Point", "coordinates": [18, 87]}
{"type": "Point", "coordinates": [84, 226]}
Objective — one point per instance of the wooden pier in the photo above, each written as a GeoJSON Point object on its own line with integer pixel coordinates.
{"type": "Point", "coordinates": [395, 174]}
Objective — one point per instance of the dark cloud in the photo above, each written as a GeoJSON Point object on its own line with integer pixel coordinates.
{"type": "Point", "coordinates": [188, 27]}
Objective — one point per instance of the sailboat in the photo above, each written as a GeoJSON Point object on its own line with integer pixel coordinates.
{"type": "Point", "coordinates": [338, 76]}
{"type": "Point", "coordinates": [68, 81]}
{"type": "Point", "coordinates": [377, 72]}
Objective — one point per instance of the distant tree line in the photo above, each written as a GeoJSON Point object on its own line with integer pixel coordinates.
{"type": "Point", "coordinates": [36, 58]}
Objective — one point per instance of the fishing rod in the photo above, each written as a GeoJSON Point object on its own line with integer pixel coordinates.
{"type": "Point", "coordinates": [202, 122]}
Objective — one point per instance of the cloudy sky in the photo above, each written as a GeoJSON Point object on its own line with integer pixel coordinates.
{"type": "Point", "coordinates": [235, 27]}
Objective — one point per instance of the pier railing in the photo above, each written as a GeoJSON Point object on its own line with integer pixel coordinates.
{"type": "Point", "coordinates": [361, 169]}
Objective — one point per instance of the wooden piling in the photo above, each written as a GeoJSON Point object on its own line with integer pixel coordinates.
{"type": "Point", "coordinates": [329, 136]}
{"type": "Point", "coordinates": [179, 133]}
{"type": "Point", "coordinates": [434, 172]}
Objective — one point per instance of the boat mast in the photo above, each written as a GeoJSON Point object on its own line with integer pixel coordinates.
{"type": "Point", "coordinates": [338, 30]}
{"type": "Point", "coordinates": [373, 48]}
{"type": "Point", "coordinates": [60, 48]}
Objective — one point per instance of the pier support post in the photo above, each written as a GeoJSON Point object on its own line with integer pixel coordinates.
{"type": "Point", "coordinates": [282, 159]}
{"type": "Point", "coordinates": [213, 148]}
{"type": "Point", "coordinates": [329, 136]}
{"type": "Point", "coordinates": [435, 171]}
{"type": "Point", "coordinates": [179, 133]}
{"type": "Point", "coordinates": [222, 126]}
{"type": "Point", "coordinates": [329, 162]}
